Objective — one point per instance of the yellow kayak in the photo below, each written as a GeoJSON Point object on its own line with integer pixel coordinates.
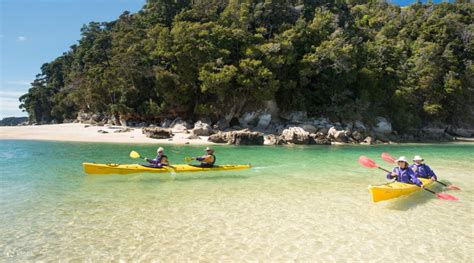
{"type": "Point", "coordinates": [112, 168]}
{"type": "Point", "coordinates": [393, 190]}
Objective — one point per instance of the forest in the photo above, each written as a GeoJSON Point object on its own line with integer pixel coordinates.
{"type": "Point", "coordinates": [344, 59]}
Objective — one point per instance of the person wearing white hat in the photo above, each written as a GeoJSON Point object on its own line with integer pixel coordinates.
{"type": "Point", "coordinates": [422, 170]}
{"type": "Point", "coordinates": [208, 160]}
{"type": "Point", "coordinates": [403, 173]}
{"type": "Point", "coordinates": [160, 160]}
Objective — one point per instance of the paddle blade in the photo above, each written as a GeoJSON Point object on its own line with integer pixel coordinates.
{"type": "Point", "coordinates": [447, 197]}
{"type": "Point", "coordinates": [134, 155]}
{"type": "Point", "coordinates": [453, 187]}
{"type": "Point", "coordinates": [188, 159]}
{"type": "Point", "coordinates": [387, 157]}
{"type": "Point", "coordinates": [367, 162]}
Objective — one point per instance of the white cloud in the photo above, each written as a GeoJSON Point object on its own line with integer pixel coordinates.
{"type": "Point", "coordinates": [9, 107]}
{"type": "Point", "coordinates": [11, 94]}
{"type": "Point", "coordinates": [21, 38]}
{"type": "Point", "coordinates": [19, 82]}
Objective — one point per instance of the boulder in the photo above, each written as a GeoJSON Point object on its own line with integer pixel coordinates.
{"type": "Point", "coordinates": [357, 136]}
{"type": "Point", "coordinates": [383, 126]}
{"type": "Point", "coordinates": [263, 121]}
{"type": "Point", "coordinates": [102, 131]}
{"type": "Point", "coordinates": [270, 139]}
{"type": "Point", "coordinates": [319, 138]}
{"type": "Point", "coordinates": [221, 124]}
{"type": "Point", "coordinates": [337, 135]}
{"type": "Point", "coordinates": [202, 129]}
{"type": "Point", "coordinates": [360, 126]}
{"type": "Point", "coordinates": [460, 132]}
{"type": "Point", "coordinates": [180, 125]}
{"type": "Point", "coordinates": [246, 137]}
{"type": "Point", "coordinates": [368, 140]}
{"type": "Point", "coordinates": [309, 128]}
{"type": "Point", "coordinates": [123, 130]}
{"type": "Point", "coordinates": [296, 135]}
{"type": "Point", "coordinates": [157, 133]}
{"type": "Point", "coordinates": [166, 123]}
{"type": "Point", "coordinates": [219, 137]}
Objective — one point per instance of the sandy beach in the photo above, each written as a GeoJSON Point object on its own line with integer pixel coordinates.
{"type": "Point", "coordinates": [87, 133]}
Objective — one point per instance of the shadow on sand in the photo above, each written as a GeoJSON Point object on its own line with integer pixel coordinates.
{"type": "Point", "coordinates": [406, 203]}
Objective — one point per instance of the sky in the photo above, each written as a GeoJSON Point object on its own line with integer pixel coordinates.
{"type": "Point", "coordinates": [33, 32]}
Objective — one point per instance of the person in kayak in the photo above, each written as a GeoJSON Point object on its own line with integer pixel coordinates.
{"type": "Point", "coordinates": [403, 173]}
{"type": "Point", "coordinates": [422, 170]}
{"type": "Point", "coordinates": [160, 160]}
{"type": "Point", "coordinates": [207, 160]}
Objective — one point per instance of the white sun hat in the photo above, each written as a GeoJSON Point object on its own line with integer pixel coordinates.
{"type": "Point", "coordinates": [209, 149]}
{"type": "Point", "coordinates": [160, 149]}
{"type": "Point", "coordinates": [417, 158]}
{"type": "Point", "coordinates": [402, 159]}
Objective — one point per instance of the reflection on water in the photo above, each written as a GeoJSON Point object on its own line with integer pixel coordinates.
{"type": "Point", "coordinates": [297, 203]}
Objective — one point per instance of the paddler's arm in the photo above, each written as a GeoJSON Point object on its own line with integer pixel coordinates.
{"type": "Point", "coordinates": [431, 173]}
{"type": "Point", "coordinates": [415, 179]}
{"type": "Point", "coordinates": [391, 175]}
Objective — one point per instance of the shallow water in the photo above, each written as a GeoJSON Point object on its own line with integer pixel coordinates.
{"type": "Point", "coordinates": [297, 203]}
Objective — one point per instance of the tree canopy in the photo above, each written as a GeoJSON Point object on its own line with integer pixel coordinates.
{"type": "Point", "coordinates": [345, 59]}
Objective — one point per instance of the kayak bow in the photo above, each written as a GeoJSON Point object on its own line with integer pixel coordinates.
{"type": "Point", "coordinates": [395, 189]}
{"type": "Point", "coordinates": [111, 168]}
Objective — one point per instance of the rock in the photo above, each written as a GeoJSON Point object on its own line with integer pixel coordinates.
{"type": "Point", "coordinates": [202, 129]}
{"type": "Point", "coordinates": [123, 121]}
{"type": "Point", "coordinates": [83, 116]}
{"type": "Point", "coordinates": [271, 106]}
{"type": "Point", "coordinates": [263, 121]}
{"type": "Point", "coordinates": [295, 135]}
{"type": "Point", "coordinates": [221, 124]}
{"type": "Point", "coordinates": [319, 138]}
{"type": "Point", "coordinates": [194, 137]}
{"type": "Point", "coordinates": [309, 128]}
{"type": "Point", "coordinates": [219, 137]}
{"type": "Point", "coordinates": [294, 116]}
{"type": "Point", "coordinates": [157, 133]}
{"type": "Point", "coordinates": [102, 131]}
{"type": "Point", "coordinates": [357, 136]}
{"type": "Point", "coordinates": [97, 117]}
{"type": "Point", "coordinates": [246, 137]}
{"type": "Point", "coordinates": [186, 143]}
{"type": "Point", "coordinates": [180, 125]}
{"type": "Point", "coordinates": [337, 135]}
{"type": "Point", "coordinates": [166, 123]}
{"type": "Point", "coordinates": [86, 126]}
{"type": "Point", "coordinates": [249, 119]}
{"type": "Point", "coordinates": [270, 139]}
{"type": "Point", "coordinates": [368, 140]}
{"type": "Point", "coordinates": [383, 126]}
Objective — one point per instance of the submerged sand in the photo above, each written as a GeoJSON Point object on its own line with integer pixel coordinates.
{"type": "Point", "coordinates": [86, 133]}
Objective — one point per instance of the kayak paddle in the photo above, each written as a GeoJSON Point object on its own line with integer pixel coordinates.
{"type": "Point", "coordinates": [188, 159]}
{"type": "Point", "coordinates": [365, 161]}
{"type": "Point", "coordinates": [389, 159]}
{"type": "Point", "coordinates": [135, 155]}
{"type": "Point", "coordinates": [369, 163]}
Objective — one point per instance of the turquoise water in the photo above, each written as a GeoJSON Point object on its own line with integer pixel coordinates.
{"type": "Point", "coordinates": [297, 203]}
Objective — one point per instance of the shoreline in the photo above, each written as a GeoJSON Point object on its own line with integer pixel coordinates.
{"type": "Point", "coordinates": [79, 132]}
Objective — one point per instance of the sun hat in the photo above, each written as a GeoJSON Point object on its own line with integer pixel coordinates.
{"type": "Point", "coordinates": [209, 149]}
{"type": "Point", "coordinates": [417, 158]}
{"type": "Point", "coordinates": [160, 149]}
{"type": "Point", "coordinates": [402, 159]}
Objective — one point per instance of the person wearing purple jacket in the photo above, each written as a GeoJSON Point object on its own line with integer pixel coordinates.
{"type": "Point", "coordinates": [403, 173]}
{"type": "Point", "coordinates": [422, 170]}
{"type": "Point", "coordinates": [160, 160]}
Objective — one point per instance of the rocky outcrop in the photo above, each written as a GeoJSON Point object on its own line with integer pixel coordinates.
{"type": "Point", "coordinates": [309, 128]}
{"type": "Point", "coordinates": [219, 137]}
{"type": "Point", "coordinates": [319, 138]}
{"type": "Point", "coordinates": [296, 135]}
{"type": "Point", "coordinates": [243, 137]}
{"type": "Point", "coordinates": [157, 133]}
{"type": "Point", "coordinates": [202, 129]}
{"type": "Point", "coordinates": [246, 137]}
{"type": "Point", "coordinates": [337, 135]}
{"type": "Point", "coordinates": [264, 121]}
{"type": "Point", "coordinates": [460, 132]}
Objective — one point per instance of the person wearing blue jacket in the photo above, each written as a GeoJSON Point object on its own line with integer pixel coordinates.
{"type": "Point", "coordinates": [403, 173]}
{"type": "Point", "coordinates": [422, 170]}
{"type": "Point", "coordinates": [160, 160]}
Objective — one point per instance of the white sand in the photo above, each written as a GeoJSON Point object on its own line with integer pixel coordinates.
{"type": "Point", "coordinates": [77, 132]}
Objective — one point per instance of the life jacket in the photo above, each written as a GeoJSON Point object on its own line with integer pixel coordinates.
{"type": "Point", "coordinates": [403, 175]}
{"type": "Point", "coordinates": [421, 171]}
{"type": "Point", "coordinates": [159, 158]}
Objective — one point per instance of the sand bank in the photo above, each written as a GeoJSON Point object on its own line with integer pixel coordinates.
{"type": "Point", "coordinates": [84, 133]}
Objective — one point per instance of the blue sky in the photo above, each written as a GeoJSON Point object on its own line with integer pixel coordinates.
{"type": "Point", "coordinates": [33, 32]}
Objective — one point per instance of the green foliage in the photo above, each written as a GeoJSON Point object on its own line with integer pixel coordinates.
{"type": "Point", "coordinates": [351, 59]}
